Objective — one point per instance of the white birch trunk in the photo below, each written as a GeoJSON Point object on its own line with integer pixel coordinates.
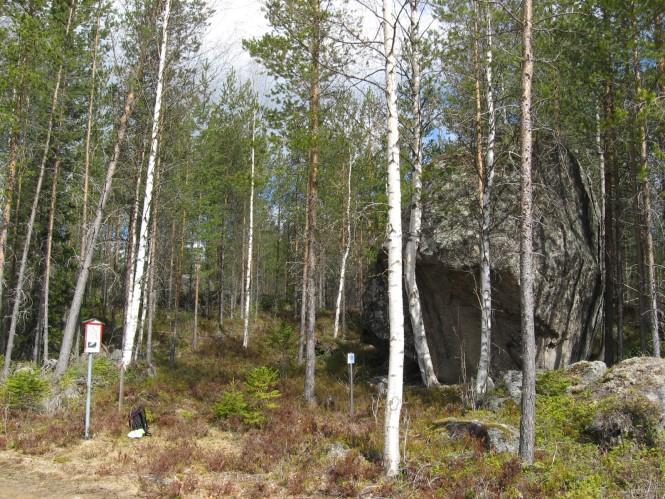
{"type": "Point", "coordinates": [345, 256]}
{"type": "Point", "coordinates": [415, 223]}
{"type": "Point", "coordinates": [131, 315]}
{"type": "Point", "coordinates": [391, 454]}
{"type": "Point", "coordinates": [486, 213]}
{"type": "Point", "coordinates": [20, 281]}
{"type": "Point", "coordinates": [250, 241]}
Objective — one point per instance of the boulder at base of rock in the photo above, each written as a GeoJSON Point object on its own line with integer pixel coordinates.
{"type": "Point", "coordinates": [586, 372]}
{"type": "Point", "coordinates": [512, 380]}
{"type": "Point", "coordinates": [630, 400]}
{"type": "Point", "coordinates": [494, 436]}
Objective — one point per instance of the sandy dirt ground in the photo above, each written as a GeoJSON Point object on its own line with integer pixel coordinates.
{"type": "Point", "coordinates": [61, 475]}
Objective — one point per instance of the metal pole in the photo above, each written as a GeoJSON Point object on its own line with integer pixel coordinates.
{"type": "Point", "coordinates": [87, 398]}
{"type": "Point", "coordinates": [351, 387]}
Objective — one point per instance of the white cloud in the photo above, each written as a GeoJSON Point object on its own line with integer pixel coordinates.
{"type": "Point", "coordinates": [234, 20]}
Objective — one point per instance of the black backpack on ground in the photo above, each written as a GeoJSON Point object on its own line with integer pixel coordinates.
{"type": "Point", "coordinates": [138, 420]}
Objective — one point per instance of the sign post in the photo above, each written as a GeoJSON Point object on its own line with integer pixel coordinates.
{"type": "Point", "coordinates": [93, 344]}
{"type": "Point", "coordinates": [350, 360]}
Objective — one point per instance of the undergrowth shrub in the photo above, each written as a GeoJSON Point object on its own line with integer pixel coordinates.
{"type": "Point", "coordinates": [250, 404]}
{"type": "Point", "coordinates": [552, 383]}
{"type": "Point", "coordinates": [25, 389]}
{"type": "Point", "coordinates": [617, 418]}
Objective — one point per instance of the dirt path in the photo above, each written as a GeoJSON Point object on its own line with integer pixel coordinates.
{"type": "Point", "coordinates": [56, 476]}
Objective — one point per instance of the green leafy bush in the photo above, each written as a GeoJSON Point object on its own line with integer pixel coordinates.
{"type": "Point", "coordinates": [25, 388]}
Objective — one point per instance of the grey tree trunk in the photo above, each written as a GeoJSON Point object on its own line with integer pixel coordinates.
{"type": "Point", "coordinates": [312, 196]}
{"type": "Point", "coordinates": [88, 134]}
{"type": "Point", "coordinates": [645, 195]}
{"type": "Point", "coordinates": [91, 240]}
{"type": "Point", "coordinates": [528, 413]}
{"type": "Point", "coordinates": [49, 247]}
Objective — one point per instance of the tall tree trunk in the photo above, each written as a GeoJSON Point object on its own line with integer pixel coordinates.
{"type": "Point", "coordinates": [347, 248]}
{"type": "Point", "coordinates": [197, 275]}
{"type": "Point", "coordinates": [145, 292]}
{"type": "Point", "coordinates": [644, 206]}
{"type": "Point", "coordinates": [391, 456]}
{"type": "Point", "coordinates": [609, 232]}
{"type": "Point", "coordinates": [8, 190]}
{"type": "Point", "coordinates": [172, 263]}
{"type": "Point", "coordinates": [250, 241]}
{"type": "Point", "coordinates": [528, 419]}
{"type": "Point", "coordinates": [312, 196]}
{"type": "Point", "coordinates": [130, 252]}
{"type": "Point", "coordinates": [47, 264]}
{"type": "Point", "coordinates": [91, 240]}
{"type": "Point", "coordinates": [131, 316]}
{"type": "Point", "coordinates": [487, 180]}
{"type": "Point", "coordinates": [88, 133]}
{"type": "Point", "coordinates": [20, 281]}
{"type": "Point", "coordinates": [152, 292]}
{"type": "Point", "coordinates": [413, 240]}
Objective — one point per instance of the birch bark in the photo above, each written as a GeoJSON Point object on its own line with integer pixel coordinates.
{"type": "Point", "coordinates": [347, 248]}
{"type": "Point", "coordinates": [413, 240]}
{"type": "Point", "coordinates": [487, 181]}
{"type": "Point", "coordinates": [250, 239]}
{"type": "Point", "coordinates": [391, 456]}
{"type": "Point", "coordinates": [131, 318]}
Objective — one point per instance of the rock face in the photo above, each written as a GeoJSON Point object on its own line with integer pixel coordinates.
{"type": "Point", "coordinates": [567, 276]}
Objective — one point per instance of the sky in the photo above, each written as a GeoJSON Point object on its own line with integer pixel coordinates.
{"type": "Point", "coordinates": [234, 20]}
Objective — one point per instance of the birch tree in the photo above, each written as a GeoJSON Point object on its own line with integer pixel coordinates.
{"type": "Point", "coordinates": [250, 236]}
{"type": "Point", "coordinates": [132, 314]}
{"type": "Point", "coordinates": [413, 240]}
{"type": "Point", "coordinates": [486, 181]}
{"type": "Point", "coordinates": [347, 247]}
{"type": "Point", "coordinates": [528, 411]}
{"type": "Point", "coordinates": [391, 455]}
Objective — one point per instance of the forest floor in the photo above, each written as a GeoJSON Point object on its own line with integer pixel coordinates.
{"type": "Point", "coordinates": [220, 427]}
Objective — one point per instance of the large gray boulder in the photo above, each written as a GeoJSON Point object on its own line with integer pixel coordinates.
{"type": "Point", "coordinates": [630, 402]}
{"type": "Point", "coordinates": [567, 275]}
